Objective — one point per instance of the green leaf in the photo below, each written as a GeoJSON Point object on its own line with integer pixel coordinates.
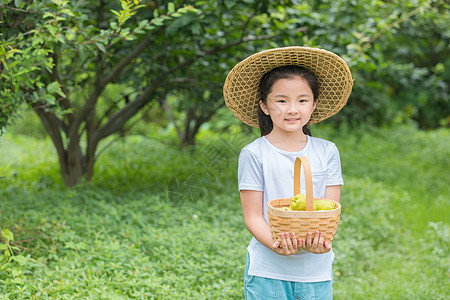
{"type": "Point", "coordinates": [115, 12]}
{"type": "Point", "coordinates": [115, 40]}
{"type": "Point", "coordinates": [16, 272]}
{"type": "Point", "coordinates": [155, 13]}
{"type": "Point", "coordinates": [124, 4]}
{"type": "Point", "coordinates": [143, 23]}
{"type": "Point", "coordinates": [4, 64]}
{"type": "Point", "coordinates": [158, 22]}
{"type": "Point", "coordinates": [229, 4]}
{"type": "Point", "coordinates": [170, 7]}
{"type": "Point", "coordinates": [20, 259]}
{"type": "Point", "coordinates": [17, 280]}
{"type": "Point", "coordinates": [53, 87]}
{"type": "Point", "coordinates": [19, 3]}
{"type": "Point", "coordinates": [12, 65]}
{"type": "Point", "coordinates": [101, 47]}
{"type": "Point", "coordinates": [196, 28]}
{"type": "Point", "coordinates": [3, 247]}
{"type": "Point", "coordinates": [70, 35]}
{"type": "Point", "coordinates": [50, 99]}
{"type": "Point", "coordinates": [67, 12]}
{"type": "Point", "coordinates": [68, 111]}
{"type": "Point", "coordinates": [60, 2]}
{"type": "Point", "coordinates": [47, 15]}
{"type": "Point", "coordinates": [7, 234]}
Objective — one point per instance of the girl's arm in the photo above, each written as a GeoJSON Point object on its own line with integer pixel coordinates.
{"type": "Point", "coordinates": [252, 208]}
{"type": "Point", "coordinates": [333, 192]}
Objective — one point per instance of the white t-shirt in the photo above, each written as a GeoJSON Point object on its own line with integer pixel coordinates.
{"type": "Point", "coordinates": [263, 167]}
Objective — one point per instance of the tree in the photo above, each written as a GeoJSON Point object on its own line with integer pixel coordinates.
{"type": "Point", "coordinates": [87, 67]}
{"type": "Point", "coordinates": [62, 57]}
{"type": "Point", "coordinates": [212, 43]}
{"type": "Point", "coordinates": [372, 36]}
{"type": "Point", "coordinates": [399, 56]}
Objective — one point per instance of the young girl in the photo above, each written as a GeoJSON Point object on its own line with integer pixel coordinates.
{"type": "Point", "coordinates": [283, 91]}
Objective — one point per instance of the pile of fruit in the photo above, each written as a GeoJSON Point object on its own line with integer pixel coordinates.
{"type": "Point", "coordinates": [298, 202]}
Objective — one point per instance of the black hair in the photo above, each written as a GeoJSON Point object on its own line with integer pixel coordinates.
{"type": "Point", "coordinates": [265, 87]}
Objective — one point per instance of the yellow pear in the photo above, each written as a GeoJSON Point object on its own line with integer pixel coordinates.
{"type": "Point", "coordinates": [324, 204]}
{"type": "Point", "coordinates": [298, 202]}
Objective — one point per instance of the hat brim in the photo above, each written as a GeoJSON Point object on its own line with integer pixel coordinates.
{"type": "Point", "coordinates": [335, 81]}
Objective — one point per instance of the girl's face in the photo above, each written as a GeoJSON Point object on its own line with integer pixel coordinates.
{"type": "Point", "coordinates": [290, 104]}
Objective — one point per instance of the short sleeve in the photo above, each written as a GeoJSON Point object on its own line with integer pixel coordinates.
{"type": "Point", "coordinates": [250, 172]}
{"type": "Point", "coordinates": [334, 170]}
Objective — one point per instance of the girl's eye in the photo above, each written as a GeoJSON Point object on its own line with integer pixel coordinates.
{"type": "Point", "coordinates": [281, 101]}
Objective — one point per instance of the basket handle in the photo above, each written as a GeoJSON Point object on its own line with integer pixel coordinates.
{"type": "Point", "coordinates": [308, 180]}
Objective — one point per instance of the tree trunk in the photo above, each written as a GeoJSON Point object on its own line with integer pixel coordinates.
{"type": "Point", "coordinates": [194, 120]}
{"type": "Point", "coordinates": [74, 165]}
{"type": "Point", "coordinates": [192, 127]}
{"type": "Point", "coordinates": [72, 169]}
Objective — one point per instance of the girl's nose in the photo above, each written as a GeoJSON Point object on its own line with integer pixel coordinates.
{"type": "Point", "coordinates": [292, 107]}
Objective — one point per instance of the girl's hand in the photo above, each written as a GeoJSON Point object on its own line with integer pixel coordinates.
{"type": "Point", "coordinates": [316, 245]}
{"type": "Point", "coordinates": [289, 244]}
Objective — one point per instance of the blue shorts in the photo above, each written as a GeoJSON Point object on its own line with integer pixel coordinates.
{"type": "Point", "coordinates": [260, 288]}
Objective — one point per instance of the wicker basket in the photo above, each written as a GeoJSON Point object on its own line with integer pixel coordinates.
{"type": "Point", "coordinates": [302, 222]}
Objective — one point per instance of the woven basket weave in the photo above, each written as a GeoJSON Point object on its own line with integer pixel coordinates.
{"type": "Point", "coordinates": [335, 81]}
{"type": "Point", "coordinates": [302, 222]}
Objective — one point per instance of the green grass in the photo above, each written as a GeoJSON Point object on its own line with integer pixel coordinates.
{"type": "Point", "coordinates": [159, 223]}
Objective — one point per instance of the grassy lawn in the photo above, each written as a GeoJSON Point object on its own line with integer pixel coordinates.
{"type": "Point", "coordinates": [159, 223]}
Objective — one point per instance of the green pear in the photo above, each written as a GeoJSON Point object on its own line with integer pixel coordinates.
{"type": "Point", "coordinates": [298, 202]}
{"type": "Point", "coordinates": [324, 204]}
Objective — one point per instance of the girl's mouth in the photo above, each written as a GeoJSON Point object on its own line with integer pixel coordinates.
{"type": "Point", "coordinates": [292, 120]}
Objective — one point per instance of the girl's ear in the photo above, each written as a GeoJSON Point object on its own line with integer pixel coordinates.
{"type": "Point", "coordinates": [263, 107]}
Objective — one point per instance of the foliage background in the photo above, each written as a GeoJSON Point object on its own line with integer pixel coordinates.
{"type": "Point", "coordinates": [161, 218]}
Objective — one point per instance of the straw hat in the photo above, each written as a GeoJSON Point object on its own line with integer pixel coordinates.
{"type": "Point", "coordinates": [335, 80]}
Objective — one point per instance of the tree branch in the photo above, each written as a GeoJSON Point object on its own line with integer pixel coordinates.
{"type": "Point", "coordinates": [125, 62]}
{"type": "Point", "coordinates": [122, 116]}
{"type": "Point", "coordinates": [212, 112]}
{"type": "Point", "coordinates": [247, 22]}
{"type": "Point", "coordinates": [217, 49]}
{"type": "Point", "coordinates": [111, 107]}
{"type": "Point", "coordinates": [18, 9]}
{"type": "Point", "coordinates": [51, 124]}
{"type": "Point", "coordinates": [167, 108]}
{"type": "Point", "coordinates": [65, 102]}
{"type": "Point", "coordinates": [91, 145]}
{"type": "Point", "coordinates": [402, 18]}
